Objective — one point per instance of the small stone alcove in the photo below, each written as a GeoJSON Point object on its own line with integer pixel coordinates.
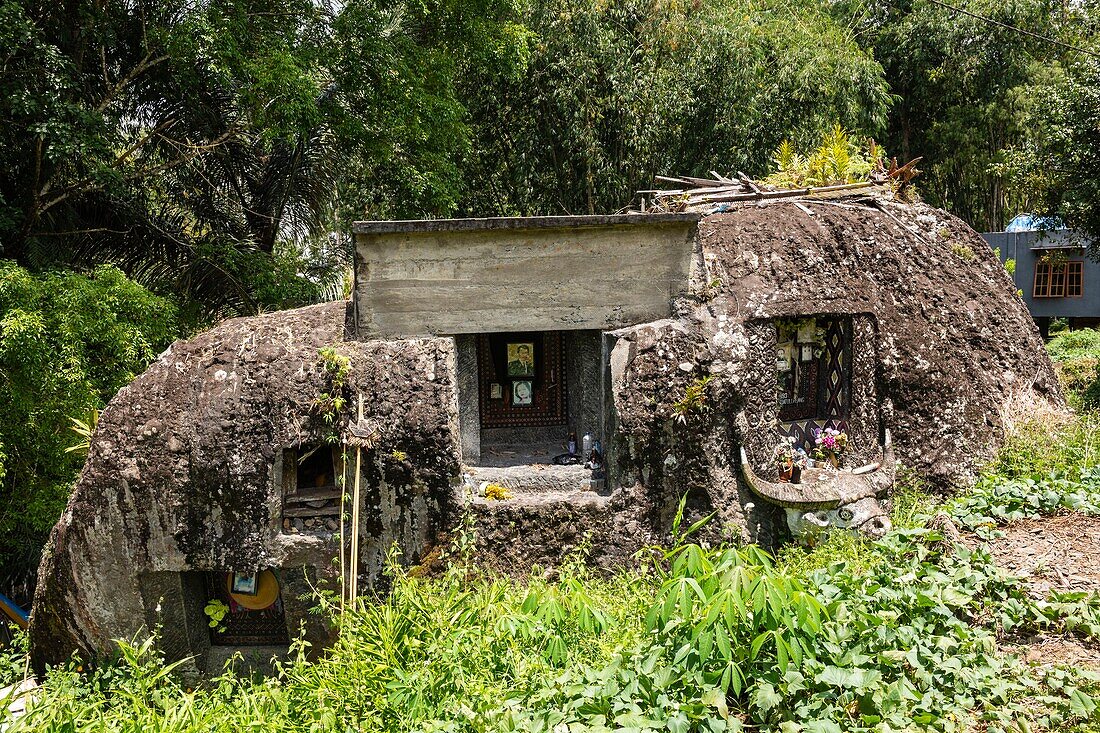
{"type": "Point", "coordinates": [814, 371]}
{"type": "Point", "coordinates": [813, 374]}
{"type": "Point", "coordinates": [256, 615]}
{"type": "Point", "coordinates": [521, 396]}
{"type": "Point", "coordinates": [310, 474]}
{"type": "Point", "coordinates": [175, 604]}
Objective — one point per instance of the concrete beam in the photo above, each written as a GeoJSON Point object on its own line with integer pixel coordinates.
{"type": "Point", "coordinates": [445, 277]}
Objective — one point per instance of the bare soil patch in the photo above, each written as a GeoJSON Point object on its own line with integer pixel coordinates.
{"type": "Point", "coordinates": [1053, 553]}
{"type": "Point", "coordinates": [1055, 650]}
{"type": "Point", "coordinates": [1059, 553]}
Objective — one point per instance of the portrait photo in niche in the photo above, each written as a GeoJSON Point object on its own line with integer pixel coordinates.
{"type": "Point", "coordinates": [521, 359]}
{"type": "Point", "coordinates": [522, 392]}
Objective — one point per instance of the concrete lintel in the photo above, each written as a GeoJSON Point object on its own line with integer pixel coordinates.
{"type": "Point", "coordinates": [518, 222]}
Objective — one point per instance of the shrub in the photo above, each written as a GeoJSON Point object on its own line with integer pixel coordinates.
{"type": "Point", "coordinates": [698, 639]}
{"type": "Point", "coordinates": [1076, 356]}
{"type": "Point", "coordinates": [1047, 444]}
{"type": "Point", "coordinates": [1045, 467]}
{"type": "Point", "coordinates": [68, 342]}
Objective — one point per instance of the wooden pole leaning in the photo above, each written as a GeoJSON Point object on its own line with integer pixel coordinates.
{"type": "Point", "coordinates": [355, 515]}
{"type": "Point", "coordinates": [343, 515]}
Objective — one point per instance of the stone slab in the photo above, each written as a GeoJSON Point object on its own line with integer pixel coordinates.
{"type": "Point", "coordinates": [543, 273]}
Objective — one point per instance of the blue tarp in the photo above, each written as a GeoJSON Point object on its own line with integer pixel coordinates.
{"type": "Point", "coordinates": [1034, 223]}
{"type": "Point", "coordinates": [14, 612]}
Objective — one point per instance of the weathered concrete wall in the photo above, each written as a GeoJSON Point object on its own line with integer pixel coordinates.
{"type": "Point", "coordinates": [469, 407]}
{"type": "Point", "coordinates": [533, 274]}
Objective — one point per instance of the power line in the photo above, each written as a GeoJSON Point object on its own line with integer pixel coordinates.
{"type": "Point", "coordinates": [1011, 27]}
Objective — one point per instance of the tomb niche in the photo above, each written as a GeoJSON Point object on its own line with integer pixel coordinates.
{"type": "Point", "coordinates": [527, 403]}
{"type": "Point", "coordinates": [251, 609]}
{"type": "Point", "coordinates": [311, 488]}
{"type": "Point", "coordinates": [826, 379]}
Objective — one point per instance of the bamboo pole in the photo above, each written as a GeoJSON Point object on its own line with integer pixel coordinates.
{"type": "Point", "coordinates": [343, 502]}
{"type": "Point", "coordinates": [355, 518]}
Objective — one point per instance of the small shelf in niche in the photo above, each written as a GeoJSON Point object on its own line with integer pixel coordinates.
{"type": "Point", "coordinates": [311, 494]}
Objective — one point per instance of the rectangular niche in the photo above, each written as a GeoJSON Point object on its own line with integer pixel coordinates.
{"type": "Point", "coordinates": [311, 488]}
{"type": "Point", "coordinates": [255, 615]}
{"type": "Point", "coordinates": [813, 367]}
{"type": "Point", "coordinates": [521, 380]}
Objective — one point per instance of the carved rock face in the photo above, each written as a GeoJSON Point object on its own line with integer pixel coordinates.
{"type": "Point", "coordinates": [181, 478]}
{"type": "Point", "coordinates": [866, 516]}
{"type": "Point", "coordinates": [844, 500]}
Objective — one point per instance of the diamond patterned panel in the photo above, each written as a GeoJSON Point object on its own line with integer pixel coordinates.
{"type": "Point", "coordinates": [835, 360]}
{"type": "Point", "coordinates": [803, 430]}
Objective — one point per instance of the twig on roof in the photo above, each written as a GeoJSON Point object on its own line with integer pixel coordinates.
{"type": "Point", "coordinates": [703, 192]}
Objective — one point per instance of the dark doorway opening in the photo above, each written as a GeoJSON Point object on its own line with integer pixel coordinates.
{"type": "Point", "coordinates": [537, 393]}
{"type": "Point", "coordinates": [522, 380]}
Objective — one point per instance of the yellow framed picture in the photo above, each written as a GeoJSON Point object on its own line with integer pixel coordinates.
{"type": "Point", "coordinates": [521, 359]}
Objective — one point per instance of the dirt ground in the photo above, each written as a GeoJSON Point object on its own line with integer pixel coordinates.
{"type": "Point", "coordinates": [1053, 553]}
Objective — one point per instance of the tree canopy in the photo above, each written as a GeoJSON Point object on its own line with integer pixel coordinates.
{"type": "Point", "coordinates": [616, 93]}
{"type": "Point", "coordinates": [201, 146]}
{"type": "Point", "coordinates": [216, 151]}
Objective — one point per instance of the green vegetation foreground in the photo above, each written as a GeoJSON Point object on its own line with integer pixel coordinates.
{"type": "Point", "coordinates": [902, 634]}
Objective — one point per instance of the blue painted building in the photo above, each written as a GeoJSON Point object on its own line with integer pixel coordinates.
{"type": "Point", "coordinates": [1054, 272]}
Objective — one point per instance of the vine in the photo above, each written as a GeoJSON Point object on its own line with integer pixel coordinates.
{"type": "Point", "coordinates": [787, 331]}
{"type": "Point", "coordinates": [330, 403]}
{"type": "Point", "coordinates": [216, 610]}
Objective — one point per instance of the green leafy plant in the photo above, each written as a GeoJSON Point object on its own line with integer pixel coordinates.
{"type": "Point", "coordinates": [84, 429]}
{"type": "Point", "coordinates": [963, 252]}
{"type": "Point", "coordinates": [216, 611]}
{"type": "Point", "coordinates": [997, 500]}
{"type": "Point", "coordinates": [854, 636]}
{"type": "Point", "coordinates": [68, 343]}
{"type": "Point", "coordinates": [1076, 356]}
{"type": "Point", "coordinates": [330, 403]}
{"type": "Point", "coordinates": [837, 159]}
{"type": "Point", "coordinates": [694, 400]}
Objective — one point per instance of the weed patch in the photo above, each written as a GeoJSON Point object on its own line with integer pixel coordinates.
{"type": "Point", "coordinates": [860, 636]}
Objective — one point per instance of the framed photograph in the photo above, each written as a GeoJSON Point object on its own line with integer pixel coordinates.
{"type": "Point", "coordinates": [244, 584]}
{"type": "Point", "coordinates": [782, 359]}
{"type": "Point", "coordinates": [521, 359]}
{"type": "Point", "coordinates": [522, 392]}
{"type": "Point", "coordinates": [807, 352]}
{"type": "Point", "coordinates": [496, 391]}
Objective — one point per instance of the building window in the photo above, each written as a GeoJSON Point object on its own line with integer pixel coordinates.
{"type": "Point", "coordinates": [1058, 279]}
